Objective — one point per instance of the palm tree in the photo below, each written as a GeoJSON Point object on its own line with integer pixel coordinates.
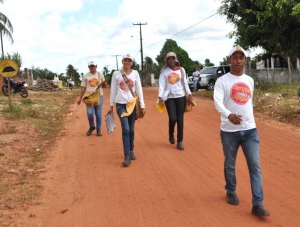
{"type": "Point", "coordinates": [6, 29]}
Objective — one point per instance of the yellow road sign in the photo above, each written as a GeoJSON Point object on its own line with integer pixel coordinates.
{"type": "Point", "coordinates": [8, 68]}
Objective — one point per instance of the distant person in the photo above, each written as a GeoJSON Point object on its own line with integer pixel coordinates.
{"type": "Point", "coordinates": [120, 94]}
{"type": "Point", "coordinates": [233, 98]}
{"type": "Point", "coordinates": [89, 83]}
{"type": "Point", "coordinates": [172, 89]}
{"type": "Point", "coordinates": [196, 76]}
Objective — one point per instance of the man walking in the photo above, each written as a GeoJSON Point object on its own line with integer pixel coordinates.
{"type": "Point", "coordinates": [233, 98]}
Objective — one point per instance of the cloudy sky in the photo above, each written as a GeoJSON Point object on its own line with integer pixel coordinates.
{"type": "Point", "coordinates": [55, 33]}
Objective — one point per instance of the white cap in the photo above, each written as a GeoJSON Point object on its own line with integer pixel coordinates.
{"type": "Point", "coordinates": [127, 56]}
{"type": "Point", "coordinates": [92, 63]}
{"type": "Point", "coordinates": [237, 48]}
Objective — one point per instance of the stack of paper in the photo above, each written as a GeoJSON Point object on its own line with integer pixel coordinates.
{"type": "Point", "coordinates": [110, 122]}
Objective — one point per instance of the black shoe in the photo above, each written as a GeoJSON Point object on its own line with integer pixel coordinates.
{"type": "Point", "coordinates": [171, 139]}
{"type": "Point", "coordinates": [132, 156]}
{"type": "Point", "coordinates": [260, 211]}
{"type": "Point", "coordinates": [89, 132]}
{"type": "Point", "coordinates": [127, 160]}
{"type": "Point", "coordinates": [232, 199]}
{"type": "Point", "coordinates": [99, 133]}
{"type": "Point", "coordinates": [180, 146]}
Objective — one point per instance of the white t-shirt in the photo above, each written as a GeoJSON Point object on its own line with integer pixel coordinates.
{"type": "Point", "coordinates": [170, 81]}
{"type": "Point", "coordinates": [234, 94]}
{"type": "Point", "coordinates": [91, 82]}
{"type": "Point", "coordinates": [196, 75]}
{"type": "Point", "coordinates": [120, 92]}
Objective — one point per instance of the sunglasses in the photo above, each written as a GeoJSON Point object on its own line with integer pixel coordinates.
{"type": "Point", "coordinates": [92, 66]}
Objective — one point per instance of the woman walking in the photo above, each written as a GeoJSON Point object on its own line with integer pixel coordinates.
{"type": "Point", "coordinates": [121, 83]}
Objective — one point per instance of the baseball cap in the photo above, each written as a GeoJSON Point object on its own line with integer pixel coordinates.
{"type": "Point", "coordinates": [237, 48]}
{"type": "Point", "coordinates": [127, 56]}
{"type": "Point", "coordinates": [92, 63]}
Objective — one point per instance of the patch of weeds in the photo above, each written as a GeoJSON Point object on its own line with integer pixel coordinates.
{"type": "Point", "coordinates": [10, 129]}
{"type": "Point", "coordinates": [26, 101]}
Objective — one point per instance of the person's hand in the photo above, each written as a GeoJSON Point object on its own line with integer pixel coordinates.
{"type": "Point", "coordinates": [190, 99]}
{"type": "Point", "coordinates": [79, 101]}
{"type": "Point", "coordinates": [235, 119]}
{"type": "Point", "coordinates": [144, 111]}
{"type": "Point", "coordinates": [111, 109]}
{"type": "Point", "coordinates": [160, 99]}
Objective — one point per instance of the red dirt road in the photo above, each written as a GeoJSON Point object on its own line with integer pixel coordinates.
{"type": "Point", "coordinates": [85, 185]}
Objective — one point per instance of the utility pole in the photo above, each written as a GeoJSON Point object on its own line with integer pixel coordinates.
{"type": "Point", "coordinates": [116, 60]}
{"type": "Point", "coordinates": [140, 24]}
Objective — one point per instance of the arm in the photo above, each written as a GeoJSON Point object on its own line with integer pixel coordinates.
{"type": "Point", "coordinates": [113, 92]}
{"type": "Point", "coordinates": [139, 90]}
{"type": "Point", "coordinates": [162, 85]}
{"type": "Point", "coordinates": [81, 95]}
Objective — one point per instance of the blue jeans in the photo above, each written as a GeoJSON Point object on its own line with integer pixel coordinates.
{"type": "Point", "coordinates": [175, 108]}
{"type": "Point", "coordinates": [249, 141]}
{"type": "Point", "coordinates": [97, 111]}
{"type": "Point", "coordinates": [195, 85]}
{"type": "Point", "coordinates": [127, 124]}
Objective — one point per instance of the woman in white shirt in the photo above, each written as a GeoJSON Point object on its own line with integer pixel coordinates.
{"type": "Point", "coordinates": [172, 89]}
{"type": "Point", "coordinates": [120, 94]}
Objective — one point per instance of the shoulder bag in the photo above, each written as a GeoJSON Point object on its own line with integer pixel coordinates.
{"type": "Point", "coordinates": [134, 102]}
{"type": "Point", "coordinates": [93, 98]}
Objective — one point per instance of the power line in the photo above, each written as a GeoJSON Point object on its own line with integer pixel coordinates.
{"type": "Point", "coordinates": [184, 29]}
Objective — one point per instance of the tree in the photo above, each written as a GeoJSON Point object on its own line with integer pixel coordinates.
{"type": "Point", "coordinates": [73, 74]}
{"type": "Point", "coordinates": [182, 56]}
{"type": "Point", "coordinates": [207, 63]}
{"type": "Point", "coordinates": [6, 29]}
{"type": "Point", "coordinates": [15, 57]}
{"type": "Point", "coordinates": [270, 24]}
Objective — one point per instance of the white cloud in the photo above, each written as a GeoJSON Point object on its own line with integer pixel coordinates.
{"type": "Point", "coordinates": [55, 33]}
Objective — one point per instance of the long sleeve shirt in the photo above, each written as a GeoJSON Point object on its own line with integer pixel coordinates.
{"type": "Point", "coordinates": [120, 92]}
{"type": "Point", "coordinates": [171, 81]}
{"type": "Point", "coordinates": [234, 95]}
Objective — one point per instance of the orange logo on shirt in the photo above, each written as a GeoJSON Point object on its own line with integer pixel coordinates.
{"type": "Point", "coordinates": [94, 82]}
{"type": "Point", "coordinates": [124, 86]}
{"type": "Point", "coordinates": [240, 93]}
{"type": "Point", "coordinates": [173, 78]}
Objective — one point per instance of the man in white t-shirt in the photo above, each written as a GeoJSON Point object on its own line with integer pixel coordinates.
{"type": "Point", "coordinates": [196, 76]}
{"type": "Point", "coordinates": [90, 83]}
{"type": "Point", "coordinates": [233, 98]}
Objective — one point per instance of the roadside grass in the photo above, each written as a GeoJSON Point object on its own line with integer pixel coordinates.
{"type": "Point", "coordinates": [280, 101]}
{"type": "Point", "coordinates": [28, 130]}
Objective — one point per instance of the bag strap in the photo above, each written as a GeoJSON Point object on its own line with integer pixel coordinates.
{"type": "Point", "coordinates": [127, 82]}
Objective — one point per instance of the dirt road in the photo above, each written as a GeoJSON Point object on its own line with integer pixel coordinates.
{"type": "Point", "coordinates": [86, 186]}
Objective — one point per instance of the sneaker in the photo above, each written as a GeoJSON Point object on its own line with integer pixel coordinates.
{"type": "Point", "coordinates": [89, 132]}
{"type": "Point", "coordinates": [171, 140]}
{"type": "Point", "coordinates": [99, 133]}
{"type": "Point", "coordinates": [260, 211]}
{"type": "Point", "coordinates": [232, 199]}
{"type": "Point", "coordinates": [127, 161]}
{"type": "Point", "coordinates": [132, 156]}
{"type": "Point", "coordinates": [180, 146]}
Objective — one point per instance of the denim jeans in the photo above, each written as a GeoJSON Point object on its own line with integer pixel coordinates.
{"type": "Point", "coordinates": [127, 124]}
{"type": "Point", "coordinates": [249, 141]}
{"type": "Point", "coordinates": [175, 108]}
{"type": "Point", "coordinates": [195, 85]}
{"type": "Point", "coordinates": [97, 111]}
